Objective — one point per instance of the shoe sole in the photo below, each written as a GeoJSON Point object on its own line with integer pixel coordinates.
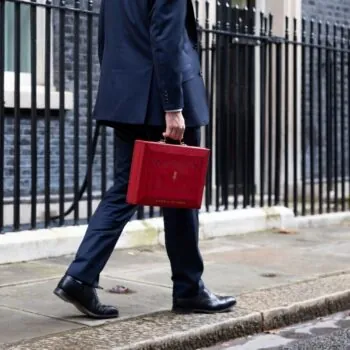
{"type": "Point", "coordinates": [65, 297]}
{"type": "Point", "coordinates": [178, 310]}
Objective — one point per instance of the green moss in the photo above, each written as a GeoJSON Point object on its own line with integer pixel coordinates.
{"type": "Point", "coordinates": [146, 236]}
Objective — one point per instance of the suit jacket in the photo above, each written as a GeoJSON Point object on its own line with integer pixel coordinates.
{"type": "Point", "coordinates": [149, 63]}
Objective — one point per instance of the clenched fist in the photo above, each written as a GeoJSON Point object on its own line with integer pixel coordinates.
{"type": "Point", "coordinates": [175, 126]}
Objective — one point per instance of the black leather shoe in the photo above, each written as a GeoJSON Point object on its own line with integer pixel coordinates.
{"type": "Point", "coordinates": [205, 302]}
{"type": "Point", "coordinates": [84, 298]}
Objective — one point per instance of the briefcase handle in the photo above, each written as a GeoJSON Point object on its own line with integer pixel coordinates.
{"type": "Point", "coordinates": [164, 140]}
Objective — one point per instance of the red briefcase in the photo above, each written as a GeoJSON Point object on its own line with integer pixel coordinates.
{"type": "Point", "coordinates": [167, 175]}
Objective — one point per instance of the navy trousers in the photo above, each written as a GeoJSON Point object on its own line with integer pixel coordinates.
{"type": "Point", "coordinates": [113, 213]}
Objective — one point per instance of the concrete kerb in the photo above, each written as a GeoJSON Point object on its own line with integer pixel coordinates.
{"type": "Point", "coordinates": [250, 324]}
{"type": "Point", "coordinates": [305, 310]}
{"type": "Point", "coordinates": [323, 220]}
{"type": "Point", "coordinates": [203, 336]}
{"type": "Point", "coordinates": [53, 242]}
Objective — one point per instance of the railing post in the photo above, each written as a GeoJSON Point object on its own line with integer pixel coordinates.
{"type": "Point", "coordinates": [329, 83]}
{"type": "Point", "coordinates": [62, 65]}
{"type": "Point", "coordinates": [2, 112]}
{"type": "Point", "coordinates": [262, 107]}
{"type": "Point", "coordinates": [278, 123]}
{"type": "Point", "coordinates": [295, 117]}
{"type": "Point", "coordinates": [311, 115]}
{"type": "Point", "coordinates": [342, 117]}
{"type": "Point", "coordinates": [320, 117]}
{"type": "Point", "coordinates": [286, 112]}
{"type": "Point", "coordinates": [47, 138]}
{"type": "Point", "coordinates": [17, 116]}
{"type": "Point", "coordinates": [348, 113]}
{"type": "Point", "coordinates": [209, 128]}
{"type": "Point", "coordinates": [76, 70]}
{"type": "Point", "coordinates": [89, 109]}
{"type": "Point", "coordinates": [335, 113]}
{"type": "Point", "coordinates": [34, 116]}
{"type": "Point", "coordinates": [270, 113]}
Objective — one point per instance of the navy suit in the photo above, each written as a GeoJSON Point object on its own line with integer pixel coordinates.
{"type": "Point", "coordinates": [149, 65]}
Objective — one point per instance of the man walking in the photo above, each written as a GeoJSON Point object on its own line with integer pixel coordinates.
{"type": "Point", "coordinates": [150, 86]}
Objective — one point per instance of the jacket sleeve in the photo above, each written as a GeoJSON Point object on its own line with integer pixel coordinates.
{"type": "Point", "coordinates": [167, 26]}
{"type": "Point", "coordinates": [101, 33]}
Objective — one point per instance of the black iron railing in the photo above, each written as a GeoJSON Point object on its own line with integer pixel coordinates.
{"type": "Point", "coordinates": [280, 108]}
{"type": "Point", "coordinates": [278, 99]}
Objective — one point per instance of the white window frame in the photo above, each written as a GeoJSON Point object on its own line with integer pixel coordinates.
{"type": "Point", "coordinates": [26, 78]}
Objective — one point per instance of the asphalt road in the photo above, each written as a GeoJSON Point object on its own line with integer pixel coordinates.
{"type": "Point", "coordinates": [330, 333]}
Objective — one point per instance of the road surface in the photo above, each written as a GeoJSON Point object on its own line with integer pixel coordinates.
{"type": "Point", "coordinates": [329, 333]}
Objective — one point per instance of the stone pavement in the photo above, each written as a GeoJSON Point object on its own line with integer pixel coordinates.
{"type": "Point", "coordinates": [278, 278]}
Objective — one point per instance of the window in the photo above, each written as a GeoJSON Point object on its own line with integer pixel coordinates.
{"type": "Point", "coordinates": [243, 3]}
{"type": "Point", "coordinates": [25, 59]}
{"type": "Point", "coordinates": [9, 37]}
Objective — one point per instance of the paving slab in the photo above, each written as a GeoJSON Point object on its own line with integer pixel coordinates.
{"type": "Point", "coordinates": [132, 259]}
{"type": "Point", "coordinates": [26, 272]}
{"type": "Point", "coordinates": [16, 325]}
{"type": "Point", "coordinates": [38, 298]}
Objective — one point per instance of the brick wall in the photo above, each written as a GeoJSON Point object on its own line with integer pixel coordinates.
{"type": "Point", "coordinates": [25, 127]}
{"type": "Point", "coordinates": [335, 11]}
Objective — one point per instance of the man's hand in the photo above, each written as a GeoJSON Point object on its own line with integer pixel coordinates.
{"type": "Point", "coordinates": [175, 125]}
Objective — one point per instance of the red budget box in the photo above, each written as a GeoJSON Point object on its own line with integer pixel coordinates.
{"type": "Point", "coordinates": [167, 175]}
